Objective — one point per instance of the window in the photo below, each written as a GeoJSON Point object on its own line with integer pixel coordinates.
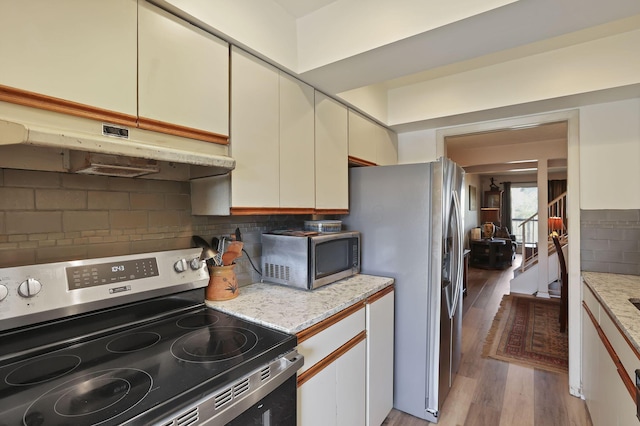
{"type": "Point", "coordinates": [524, 204]}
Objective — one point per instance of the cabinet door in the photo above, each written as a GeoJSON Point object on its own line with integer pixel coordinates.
{"type": "Point", "coordinates": [590, 372]}
{"type": "Point", "coordinates": [387, 150]}
{"type": "Point", "coordinates": [77, 50]}
{"type": "Point", "coordinates": [380, 326]}
{"type": "Point", "coordinates": [362, 138]}
{"type": "Point", "coordinates": [297, 165]}
{"type": "Point", "coordinates": [350, 387]}
{"type": "Point", "coordinates": [254, 139]}
{"type": "Point", "coordinates": [183, 73]}
{"type": "Point", "coordinates": [317, 399]}
{"type": "Point", "coordinates": [331, 153]}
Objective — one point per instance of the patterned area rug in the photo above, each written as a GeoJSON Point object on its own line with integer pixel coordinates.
{"type": "Point", "coordinates": [526, 331]}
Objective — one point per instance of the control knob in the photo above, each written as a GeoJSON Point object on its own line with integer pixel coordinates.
{"type": "Point", "coordinates": [4, 291]}
{"type": "Point", "coordinates": [195, 264]}
{"type": "Point", "coordinates": [180, 266]}
{"type": "Point", "coordinates": [29, 287]}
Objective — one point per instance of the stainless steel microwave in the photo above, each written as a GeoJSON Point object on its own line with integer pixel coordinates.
{"type": "Point", "coordinates": [309, 260]}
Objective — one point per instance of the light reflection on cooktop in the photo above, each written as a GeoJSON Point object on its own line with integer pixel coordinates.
{"type": "Point", "coordinates": [213, 344]}
{"type": "Point", "coordinates": [93, 398]}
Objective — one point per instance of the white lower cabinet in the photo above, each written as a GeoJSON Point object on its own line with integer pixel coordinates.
{"type": "Point", "coordinates": [380, 325]}
{"type": "Point", "coordinates": [347, 377]}
{"type": "Point", "coordinates": [350, 392]}
{"type": "Point", "coordinates": [331, 384]}
{"type": "Point", "coordinates": [335, 396]}
{"type": "Point", "coordinates": [606, 394]}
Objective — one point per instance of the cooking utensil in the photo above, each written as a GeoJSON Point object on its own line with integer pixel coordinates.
{"type": "Point", "coordinates": [208, 254]}
{"type": "Point", "coordinates": [234, 251]}
{"type": "Point", "coordinates": [199, 242]}
{"type": "Point", "coordinates": [218, 257]}
{"type": "Point", "coordinates": [238, 235]}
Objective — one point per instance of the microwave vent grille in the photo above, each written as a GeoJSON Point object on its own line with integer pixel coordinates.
{"type": "Point", "coordinates": [279, 272]}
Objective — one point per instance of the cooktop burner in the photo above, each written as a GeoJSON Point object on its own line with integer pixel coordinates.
{"type": "Point", "coordinates": [42, 370]}
{"type": "Point", "coordinates": [214, 345]}
{"type": "Point", "coordinates": [133, 342]}
{"type": "Point", "coordinates": [93, 398]}
{"type": "Point", "coordinates": [116, 378]}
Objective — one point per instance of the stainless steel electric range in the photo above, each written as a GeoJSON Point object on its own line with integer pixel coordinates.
{"type": "Point", "coordinates": [128, 340]}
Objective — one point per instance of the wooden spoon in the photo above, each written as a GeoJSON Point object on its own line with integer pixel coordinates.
{"type": "Point", "coordinates": [234, 251]}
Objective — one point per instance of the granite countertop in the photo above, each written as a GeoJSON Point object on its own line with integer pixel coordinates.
{"type": "Point", "coordinates": [292, 310]}
{"type": "Point", "coordinates": [614, 291]}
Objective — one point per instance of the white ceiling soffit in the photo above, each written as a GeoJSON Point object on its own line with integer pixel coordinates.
{"type": "Point", "coordinates": [300, 8]}
{"type": "Point", "coordinates": [507, 27]}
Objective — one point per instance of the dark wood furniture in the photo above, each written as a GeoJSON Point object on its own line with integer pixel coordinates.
{"type": "Point", "coordinates": [493, 199]}
{"type": "Point", "coordinates": [495, 253]}
{"type": "Point", "coordinates": [564, 285]}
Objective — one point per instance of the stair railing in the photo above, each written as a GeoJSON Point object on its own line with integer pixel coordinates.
{"type": "Point", "coordinates": [556, 208]}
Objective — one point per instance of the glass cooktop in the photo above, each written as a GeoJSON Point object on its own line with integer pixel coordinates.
{"type": "Point", "coordinates": [130, 374]}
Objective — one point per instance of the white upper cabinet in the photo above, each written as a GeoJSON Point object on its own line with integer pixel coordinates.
{"type": "Point", "coordinates": [362, 138]}
{"type": "Point", "coordinates": [387, 147]}
{"type": "Point", "coordinates": [272, 138]}
{"type": "Point", "coordinates": [183, 74]}
{"type": "Point", "coordinates": [297, 165]}
{"type": "Point", "coordinates": [371, 143]}
{"type": "Point", "coordinates": [255, 133]}
{"type": "Point", "coordinates": [81, 51]}
{"type": "Point", "coordinates": [331, 154]}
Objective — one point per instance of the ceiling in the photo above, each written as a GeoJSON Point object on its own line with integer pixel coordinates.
{"type": "Point", "coordinates": [373, 54]}
{"type": "Point", "coordinates": [511, 151]}
{"type": "Point", "coordinates": [444, 36]}
{"type": "Point", "coordinates": [514, 30]}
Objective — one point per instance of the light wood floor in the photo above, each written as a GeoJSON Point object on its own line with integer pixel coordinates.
{"type": "Point", "coordinates": [488, 392]}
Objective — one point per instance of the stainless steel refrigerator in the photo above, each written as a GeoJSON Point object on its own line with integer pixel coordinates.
{"type": "Point", "coordinates": [411, 222]}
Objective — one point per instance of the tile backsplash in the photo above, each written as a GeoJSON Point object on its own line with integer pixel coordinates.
{"type": "Point", "coordinates": [49, 217]}
{"type": "Point", "coordinates": [610, 241]}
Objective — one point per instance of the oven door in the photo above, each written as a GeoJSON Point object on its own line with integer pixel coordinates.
{"type": "Point", "coordinates": [266, 396]}
{"type": "Point", "coordinates": [277, 408]}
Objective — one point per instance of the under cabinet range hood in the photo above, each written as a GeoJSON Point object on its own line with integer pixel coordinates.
{"type": "Point", "coordinates": [80, 145]}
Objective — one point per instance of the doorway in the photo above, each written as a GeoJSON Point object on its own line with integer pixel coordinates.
{"type": "Point", "coordinates": [502, 156]}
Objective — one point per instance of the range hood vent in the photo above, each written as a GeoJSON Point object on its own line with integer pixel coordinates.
{"type": "Point", "coordinates": [112, 165]}
{"type": "Point", "coordinates": [107, 149]}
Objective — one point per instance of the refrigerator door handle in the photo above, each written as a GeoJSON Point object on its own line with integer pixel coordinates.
{"type": "Point", "coordinates": [457, 290]}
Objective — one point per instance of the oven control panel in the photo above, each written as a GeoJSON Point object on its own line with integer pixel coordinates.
{"type": "Point", "coordinates": [34, 293]}
{"type": "Point", "coordinates": [110, 273]}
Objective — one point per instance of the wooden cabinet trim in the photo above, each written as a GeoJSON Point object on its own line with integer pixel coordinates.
{"type": "Point", "coordinates": [328, 322]}
{"type": "Point", "coordinates": [628, 383]}
{"type": "Point", "coordinates": [183, 131]}
{"type": "Point", "coordinates": [50, 103]}
{"type": "Point", "coordinates": [380, 294]}
{"type": "Point", "coordinates": [329, 359]}
{"type": "Point", "coordinates": [249, 211]}
{"type": "Point", "coordinates": [360, 162]}
{"type": "Point", "coordinates": [624, 336]}
{"type": "Point", "coordinates": [331, 211]}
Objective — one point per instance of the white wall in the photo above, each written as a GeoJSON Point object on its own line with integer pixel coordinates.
{"type": "Point", "coordinates": [262, 26]}
{"type": "Point", "coordinates": [471, 217]}
{"type": "Point", "coordinates": [610, 155]}
{"type": "Point", "coordinates": [417, 147]}
{"type": "Point", "coordinates": [372, 98]}
{"type": "Point", "coordinates": [361, 25]}
{"type": "Point", "coordinates": [587, 67]}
